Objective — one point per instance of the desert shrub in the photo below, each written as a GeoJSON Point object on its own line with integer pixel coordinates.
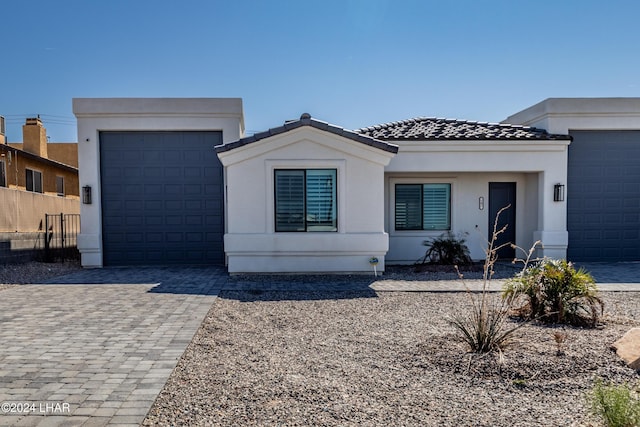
{"type": "Point", "coordinates": [554, 291]}
{"type": "Point", "coordinates": [484, 327]}
{"type": "Point", "coordinates": [447, 249]}
{"type": "Point", "coordinates": [616, 405]}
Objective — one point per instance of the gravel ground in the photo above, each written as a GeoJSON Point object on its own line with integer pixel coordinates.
{"type": "Point", "coordinates": [33, 272]}
{"type": "Point", "coordinates": [360, 358]}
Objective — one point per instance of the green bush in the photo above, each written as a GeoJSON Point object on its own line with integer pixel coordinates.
{"type": "Point", "coordinates": [554, 291]}
{"type": "Point", "coordinates": [616, 405]}
{"type": "Point", "coordinates": [447, 249]}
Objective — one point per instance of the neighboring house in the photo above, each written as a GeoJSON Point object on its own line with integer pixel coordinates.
{"type": "Point", "coordinates": [308, 196]}
{"type": "Point", "coordinates": [36, 178]}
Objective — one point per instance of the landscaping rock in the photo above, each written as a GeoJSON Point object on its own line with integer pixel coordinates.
{"type": "Point", "coordinates": [628, 348]}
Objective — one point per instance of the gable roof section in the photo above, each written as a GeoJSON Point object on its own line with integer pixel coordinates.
{"type": "Point", "coordinates": [430, 128]}
{"type": "Point", "coordinates": [307, 120]}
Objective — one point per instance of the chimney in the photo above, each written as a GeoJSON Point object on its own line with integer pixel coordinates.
{"type": "Point", "coordinates": [34, 137]}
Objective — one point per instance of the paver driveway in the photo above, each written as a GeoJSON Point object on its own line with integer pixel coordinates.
{"type": "Point", "coordinates": [82, 354]}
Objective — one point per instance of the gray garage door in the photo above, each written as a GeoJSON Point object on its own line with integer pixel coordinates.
{"type": "Point", "coordinates": [162, 198]}
{"type": "Point", "coordinates": [603, 196]}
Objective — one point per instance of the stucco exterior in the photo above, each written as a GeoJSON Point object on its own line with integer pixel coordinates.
{"type": "Point", "coordinates": [367, 170]}
{"type": "Point", "coordinates": [603, 188]}
{"type": "Point", "coordinates": [561, 115]}
{"type": "Point", "coordinates": [138, 114]}
{"type": "Point", "coordinates": [251, 243]}
{"type": "Point", "coordinates": [62, 152]}
{"type": "Point", "coordinates": [469, 166]}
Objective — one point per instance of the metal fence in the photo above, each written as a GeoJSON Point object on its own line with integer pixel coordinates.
{"type": "Point", "coordinates": [61, 237]}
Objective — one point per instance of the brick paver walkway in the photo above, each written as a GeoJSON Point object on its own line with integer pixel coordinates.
{"type": "Point", "coordinates": [81, 354]}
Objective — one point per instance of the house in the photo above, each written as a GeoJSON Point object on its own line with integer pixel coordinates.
{"type": "Point", "coordinates": [308, 196]}
{"type": "Point", "coordinates": [393, 186]}
{"type": "Point", "coordinates": [36, 178]}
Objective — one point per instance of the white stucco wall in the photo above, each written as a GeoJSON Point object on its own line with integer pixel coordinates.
{"type": "Point", "coordinates": [138, 114]}
{"type": "Point", "coordinates": [469, 166]}
{"type": "Point", "coordinates": [467, 219]}
{"type": "Point", "coordinates": [251, 243]}
{"type": "Point", "coordinates": [561, 115]}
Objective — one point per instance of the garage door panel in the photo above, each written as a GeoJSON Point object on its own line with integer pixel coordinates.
{"type": "Point", "coordinates": [603, 196]}
{"type": "Point", "coordinates": [150, 221]}
{"type": "Point", "coordinates": [152, 205]}
{"type": "Point", "coordinates": [192, 189]}
{"type": "Point", "coordinates": [174, 220]}
{"type": "Point", "coordinates": [153, 237]}
{"type": "Point", "coordinates": [194, 237]}
{"type": "Point", "coordinates": [632, 188]}
{"type": "Point", "coordinates": [192, 205]}
{"type": "Point", "coordinates": [214, 205]}
{"type": "Point", "coordinates": [173, 205]}
{"type": "Point", "coordinates": [212, 172]}
{"type": "Point", "coordinates": [165, 215]}
{"type": "Point", "coordinates": [193, 220]}
{"type": "Point", "coordinates": [152, 156]}
{"type": "Point", "coordinates": [133, 238]}
{"type": "Point", "coordinates": [112, 221]}
{"type": "Point", "coordinates": [172, 173]}
{"type": "Point", "coordinates": [169, 156]}
{"type": "Point", "coordinates": [155, 173]}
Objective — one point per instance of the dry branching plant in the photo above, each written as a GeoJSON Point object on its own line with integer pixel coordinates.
{"type": "Point", "coordinates": [484, 327]}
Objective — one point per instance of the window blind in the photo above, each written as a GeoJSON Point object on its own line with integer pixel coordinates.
{"type": "Point", "coordinates": [435, 211]}
{"type": "Point", "coordinates": [289, 200]}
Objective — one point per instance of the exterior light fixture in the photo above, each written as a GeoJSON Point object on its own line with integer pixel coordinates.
{"type": "Point", "coordinates": [558, 193]}
{"type": "Point", "coordinates": [481, 203]}
{"type": "Point", "coordinates": [86, 195]}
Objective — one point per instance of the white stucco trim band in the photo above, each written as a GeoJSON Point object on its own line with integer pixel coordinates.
{"type": "Point", "coordinates": [305, 252]}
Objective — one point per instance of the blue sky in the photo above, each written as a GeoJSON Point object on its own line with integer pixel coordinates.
{"type": "Point", "coordinates": [353, 63]}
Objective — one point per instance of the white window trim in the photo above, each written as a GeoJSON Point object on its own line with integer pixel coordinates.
{"type": "Point", "coordinates": [341, 178]}
{"type": "Point", "coordinates": [392, 205]}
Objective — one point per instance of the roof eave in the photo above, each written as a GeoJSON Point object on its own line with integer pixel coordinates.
{"type": "Point", "coordinates": [306, 120]}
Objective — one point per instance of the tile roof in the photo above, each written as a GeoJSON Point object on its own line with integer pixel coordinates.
{"type": "Point", "coordinates": [307, 120]}
{"type": "Point", "coordinates": [430, 128]}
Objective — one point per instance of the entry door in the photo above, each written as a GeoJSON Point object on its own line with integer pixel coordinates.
{"type": "Point", "coordinates": [502, 194]}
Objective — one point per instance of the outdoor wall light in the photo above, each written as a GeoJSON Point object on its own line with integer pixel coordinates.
{"type": "Point", "coordinates": [558, 193]}
{"type": "Point", "coordinates": [86, 195]}
{"type": "Point", "coordinates": [481, 203]}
